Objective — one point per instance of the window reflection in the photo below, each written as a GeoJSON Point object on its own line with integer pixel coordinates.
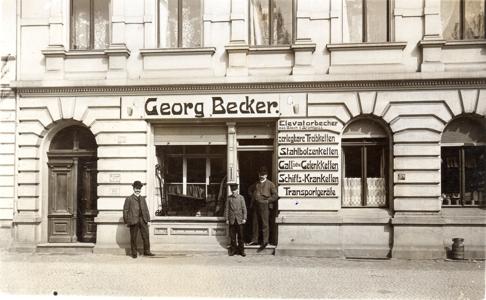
{"type": "Point", "coordinates": [462, 19]}
{"type": "Point", "coordinates": [271, 22]}
{"type": "Point", "coordinates": [180, 23]}
{"type": "Point", "coordinates": [90, 24]}
{"type": "Point", "coordinates": [374, 12]}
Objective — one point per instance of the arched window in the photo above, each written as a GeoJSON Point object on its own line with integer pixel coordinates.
{"type": "Point", "coordinates": [463, 163]}
{"type": "Point", "coordinates": [365, 164]}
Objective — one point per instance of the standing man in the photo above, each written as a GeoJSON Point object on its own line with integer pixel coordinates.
{"type": "Point", "coordinates": [235, 215]}
{"type": "Point", "coordinates": [136, 216]}
{"type": "Point", "coordinates": [263, 194]}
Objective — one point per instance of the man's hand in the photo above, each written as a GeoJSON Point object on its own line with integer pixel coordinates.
{"type": "Point", "coordinates": [227, 222]}
{"type": "Point", "coordinates": [243, 222]}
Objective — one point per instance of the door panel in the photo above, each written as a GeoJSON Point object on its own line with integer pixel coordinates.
{"type": "Point", "coordinates": [87, 202]}
{"type": "Point", "coordinates": [61, 226]}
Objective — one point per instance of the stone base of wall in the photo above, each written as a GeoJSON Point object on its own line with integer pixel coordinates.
{"type": "Point", "coordinates": [5, 233]}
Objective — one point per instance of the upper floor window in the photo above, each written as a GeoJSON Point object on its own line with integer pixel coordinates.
{"type": "Point", "coordinates": [365, 164]}
{"type": "Point", "coordinates": [366, 21]}
{"type": "Point", "coordinates": [90, 24]}
{"type": "Point", "coordinates": [463, 163]}
{"type": "Point", "coordinates": [180, 23]}
{"type": "Point", "coordinates": [462, 19]}
{"type": "Point", "coordinates": [271, 22]}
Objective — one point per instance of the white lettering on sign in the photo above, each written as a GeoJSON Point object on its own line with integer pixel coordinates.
{"type": "Point", "coordinates": [212, 106]}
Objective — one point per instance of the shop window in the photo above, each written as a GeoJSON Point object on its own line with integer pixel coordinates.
{"type": "Point", "coordinates": [90, 24]}
{"type": "Point", "coordinates": [365, 165]}
{"type": "Point", "coordinates": [271, 22]}
{"type": "Point", "coordinates": [192, 180]}
{"type": "Point", "coordinates": [462, 19]}
{"type": "Point", "coordinates": [463, 164]}
{"type": "Point", "coordinates": [180, 23]}
{"type": "Point", "coordinates": [366, 21]}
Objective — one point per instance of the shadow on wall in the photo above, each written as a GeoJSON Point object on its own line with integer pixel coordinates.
{"type": "Point", "coordinates": [123, 237]}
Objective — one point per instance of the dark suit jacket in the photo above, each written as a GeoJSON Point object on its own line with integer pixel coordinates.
{"type": "Point", "coordinates": [131, 210]}
{"type": "Point", "coordinates": [263, 192]}
{"type": "Point", "coordinates": [235, 209]}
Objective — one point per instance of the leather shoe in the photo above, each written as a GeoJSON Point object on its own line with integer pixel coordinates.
{"type": "Point", "coordinates": [231, 253]}
{"type": "Point", "coordinates": [253, 243]}
{"type": "Point", "coordinates": [134, 255]}
{"type": "Point", "coordinates": [148, 254]}
{"type": "Point", "coordinates": [243, 253]}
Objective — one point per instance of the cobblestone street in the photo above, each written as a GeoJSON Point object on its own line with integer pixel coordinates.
{"type": "Point", "coordinates": [198, 275]}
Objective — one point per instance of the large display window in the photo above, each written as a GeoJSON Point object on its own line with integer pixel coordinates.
{"type": "Point", "coordinates": [192, 179]}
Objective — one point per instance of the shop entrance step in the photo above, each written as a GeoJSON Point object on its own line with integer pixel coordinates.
{"type": "Point", "coordinates": [65, 248]}
{"type": "Point", "coordinates": [255, 250]}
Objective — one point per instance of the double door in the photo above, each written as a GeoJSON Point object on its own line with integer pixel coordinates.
{"type": "Point", "coordinates": [72, 199]}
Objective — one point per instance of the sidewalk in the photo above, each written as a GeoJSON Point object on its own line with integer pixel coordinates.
{"type": "Point", "coordinates": [199, 275]}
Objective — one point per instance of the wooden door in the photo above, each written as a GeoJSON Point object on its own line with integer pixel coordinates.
{"type": "Point", "coordinates": [62, 194]}
{"type": "Point", "coordinates": [87, 201]}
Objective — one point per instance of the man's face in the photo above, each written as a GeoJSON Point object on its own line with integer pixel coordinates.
{"type": "Point", "coordinates": [262, 177]}
{"type": "Point", "coordinates": [234, 191]}
{"type": "Point", "coordinates": [137, 191]}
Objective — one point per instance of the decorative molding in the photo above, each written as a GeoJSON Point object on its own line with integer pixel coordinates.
{"type": "Point", "coordinates": [366, 46]}
{"type": "Point", "coordinates": [177, 51]}
{"type": "Point", "coordinates": [294, 86]}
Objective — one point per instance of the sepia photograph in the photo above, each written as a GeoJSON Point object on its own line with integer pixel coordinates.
{"type": "Point", "coordinates": [242, 149]}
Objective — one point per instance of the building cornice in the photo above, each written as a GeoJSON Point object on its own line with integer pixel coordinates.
{"type": "Point", "coordinates": [250, 85]}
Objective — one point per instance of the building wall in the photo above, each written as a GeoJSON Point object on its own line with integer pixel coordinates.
{"type": "Point", "coordinates": [414, 84]}
{"type": "Point", "coordinates": [7, 118]}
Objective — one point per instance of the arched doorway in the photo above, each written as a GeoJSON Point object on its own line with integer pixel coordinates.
{"type": "Point", "coordinates": [72, 186]}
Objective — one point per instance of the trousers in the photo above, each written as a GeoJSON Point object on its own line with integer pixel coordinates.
{"type": "Point", "coordinates": [236, 235]}
{"type": "Point", "coordinates": [260, 221]}
{"type": "Point", "coordinates": [143, 227]}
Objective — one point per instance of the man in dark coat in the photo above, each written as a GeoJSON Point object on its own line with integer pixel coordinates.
{"type": "Point", "coordinates": [136, 216]}
{"type": "Point", "coordinates": [235, 215]}
{"type": "Point", "coordinates": [263, 194]}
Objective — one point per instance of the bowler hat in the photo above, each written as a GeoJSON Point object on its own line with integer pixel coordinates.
{"type": "Point", "coordinates": [263, 171]}
{"type": "Point", "coordinates": [137, 184]}
{"type": "Point", "coordinates": [233, 185]}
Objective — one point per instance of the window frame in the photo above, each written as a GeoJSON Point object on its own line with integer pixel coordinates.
{"type": "Point", "coordinates": [462, 22]}
{"type": "Point", "coordinates": [389, 24]}
{"type": "Point", "coordinates": [363, 144]}
{"type": "Point", "coordinates": [179, 26]}
{"type": "Point", "coordinates": [462, 176]}
{"type": "Point", "coordinates": [91, 27]}
{"type": "Point", "coordinates": [270, 23]}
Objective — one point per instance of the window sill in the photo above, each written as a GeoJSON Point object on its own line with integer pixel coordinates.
{"type": "Point", "coordinates": [177, 51]}
{"type": "Point", "coordinates": [367, 46]}
{"type": "Point", "coordinates": [270, 49]}
{"type": "Point", "coordinates": [86, 53]}
{"type": "Point", "coordinates": [465, 44]}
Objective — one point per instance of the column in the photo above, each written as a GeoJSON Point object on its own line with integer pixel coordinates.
{"type": "Point", "coordinates": [303, 47]}
{"type": "Point", "coordinates": [238, 47]}
{"type": "Point", "coordinates": [117, 52]}
{"type": "Point", "coordinates": [432, 41]}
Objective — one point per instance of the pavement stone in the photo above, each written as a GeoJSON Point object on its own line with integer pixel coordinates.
{"type": "Point", "coordinates": [220, 276]}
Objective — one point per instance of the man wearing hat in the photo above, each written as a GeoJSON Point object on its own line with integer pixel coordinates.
{"type": "Point", "coordinates": [263, 193]}
{"type": "Point", "coordinates": [136, 216]}
{"type": "Point", "coordinates": [235, 215]}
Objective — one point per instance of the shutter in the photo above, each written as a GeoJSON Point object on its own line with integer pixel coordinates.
{"type": "Point", "coordinates": [190, 135]}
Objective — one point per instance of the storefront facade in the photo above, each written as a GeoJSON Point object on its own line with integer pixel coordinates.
{"type": "Point", "coordinates": [372, 158]}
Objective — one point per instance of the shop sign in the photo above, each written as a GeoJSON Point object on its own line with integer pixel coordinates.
{"type": "Point", "coordinates": [201, 106]}
{"type": "Point", "coordinates": [305, 191]}
{"type": "Point", "coordinates": [309, 158]}
{"type": "Point", "coordinates": [308, 151]}
{"type": "Point", "coordinates": [307, 137]}
{"type": "Point", "coordinates": [216, 106]}
{"type": "Point", "coordinates": [310, 125]}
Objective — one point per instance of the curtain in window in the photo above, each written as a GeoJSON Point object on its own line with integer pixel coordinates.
{"type": "Point", "coordinates": [352, 192]}
{"type": "Point", "coordinates": [353, 21]}
{"type": "Point", "coordinates": [450, 18]}
{"type": "Point", "coordinates": [168, 15]}
{"type": "Point", "coordinates": [191, 23]}
{"type": "Point", "coordinates": [259, 22]}
{"type": "Point", "coordinates": [81, 24]}
{"type": "Point", "coordinates": [282, 22]}
{"type": "Point", "coordinates": [376, 21]}
{"type": "Point", "coordinates": [376, 195]}
{"type": "Point", "coordinates": [474, 19]}
{"type": "Point", "coordinates": [101, 23]}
